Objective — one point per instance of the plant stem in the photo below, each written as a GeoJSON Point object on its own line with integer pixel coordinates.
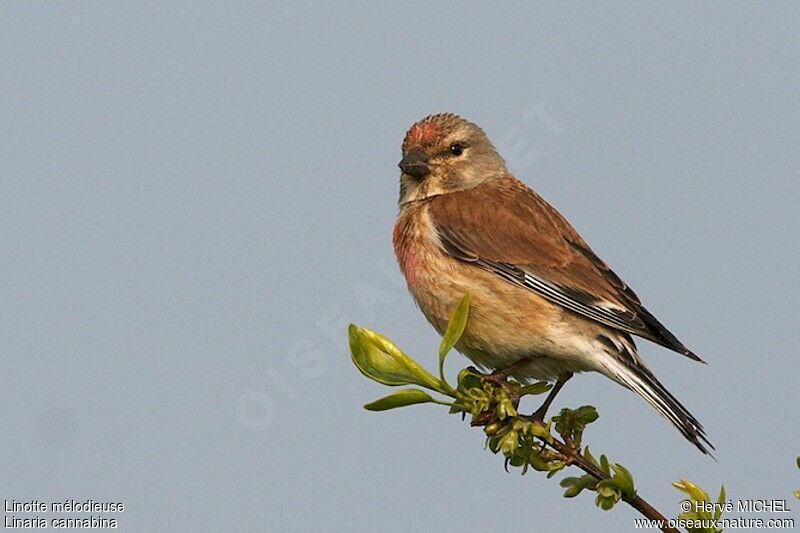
{"type": "Point", "coordinates": [573, 456]}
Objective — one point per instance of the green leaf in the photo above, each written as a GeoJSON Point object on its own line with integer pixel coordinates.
{"type": "Point", "coordinates": [539, 463]}
{"type": "Point", "coordinates": [540, 387]}
{"type": "Point", "coordinates": [606, 504]}
{"type": "Point", "coordinates": [509, 442]}
{"type": "Point", "coordinates": [379, 359]}
{"type": "Point", "coordinates": [468, 379]}
{"type": "Point", "coordinates": [518, 460]}
{"type": "Point", "coordinates": [606, 491]}
{"type": "Point", "coordinates": [586, 414]}
{"type": "Point", "coordinates": [374, 363]}
{"type": "Point", "coordinates": [624, 480]}
{"type": "Point", "coordinates": [538, 430]}
{"type": "Point", "coordinates": [455, 328]}
{"type": "Point", "coordinates": [400, 398]}
{"type": "Point", "coordinates": [574, 486]}
{"type": "Point", "coordinates": [607, 495]}
{"type": "Point", "coordinates": [720, 501]}
{"type": "Point", "coordinates": [604, 465]}
{"type": "Point", "coordinates": [456, 408]}
{"type": "Point", "coordinates": [589, 457]}
{"type": "Point", "coordinates": [505, 407]}
{"type": "Point", "coordinates": [570, 423]}
{"type": "Point", "coordinates": [694, 492]}
{"type": "Point", "coordinates": [555, 467]}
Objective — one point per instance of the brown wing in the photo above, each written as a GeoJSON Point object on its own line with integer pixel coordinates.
{"type": "Point", "coordinates": [506, 228]}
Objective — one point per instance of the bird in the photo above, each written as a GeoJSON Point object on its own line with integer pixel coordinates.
{"type": "Point", "coordinates": [543, 305]}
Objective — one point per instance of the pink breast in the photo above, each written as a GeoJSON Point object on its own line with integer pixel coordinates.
{"type": "Point", "coordinates": [404, 242]}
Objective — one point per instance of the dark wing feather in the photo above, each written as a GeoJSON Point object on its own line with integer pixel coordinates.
{"type": "Point", "coordinates": [506, 228]}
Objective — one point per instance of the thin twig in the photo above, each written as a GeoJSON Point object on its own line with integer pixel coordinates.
{"type": "Point", "coordinates": [573, 456]}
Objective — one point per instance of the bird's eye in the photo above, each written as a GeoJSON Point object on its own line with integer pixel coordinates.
{"type": "Point", "coordinates": [457, 149]}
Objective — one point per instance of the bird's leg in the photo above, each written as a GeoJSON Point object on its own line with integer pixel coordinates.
{"type": "Point", "coordinates": [538, 415]}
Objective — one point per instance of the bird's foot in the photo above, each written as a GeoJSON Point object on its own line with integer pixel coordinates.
{"type": "Point", "coordinates": [500, 379]}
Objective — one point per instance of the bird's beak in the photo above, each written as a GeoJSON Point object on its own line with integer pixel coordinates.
{"type": "Point", "coordinates": [415, 163]}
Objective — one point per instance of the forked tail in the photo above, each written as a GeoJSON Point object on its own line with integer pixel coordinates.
{"type": "Point", "coordinates": [633, 375]}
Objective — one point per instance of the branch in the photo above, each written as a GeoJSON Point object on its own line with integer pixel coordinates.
{"type": "Point", "coordinates": [637, 502]}
{"type": "Point", "coordinates": [525, 441]}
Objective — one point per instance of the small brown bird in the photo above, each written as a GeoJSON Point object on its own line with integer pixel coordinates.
{"type": "Point", "coordinates": [543, 304]}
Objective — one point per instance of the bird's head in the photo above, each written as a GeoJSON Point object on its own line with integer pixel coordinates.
{"type": "Point", "coordinates": [444, 153]}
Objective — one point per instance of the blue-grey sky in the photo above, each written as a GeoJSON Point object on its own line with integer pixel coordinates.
{"type": "Point", "coordinates": [197, 198]}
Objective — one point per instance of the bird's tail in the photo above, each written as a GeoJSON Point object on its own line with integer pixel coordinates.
{"type": "Point", "coordinates": [633, 375]}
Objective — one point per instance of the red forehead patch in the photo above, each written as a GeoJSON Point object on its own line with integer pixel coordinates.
{"type": "Point", "coordinates": [424, 133]}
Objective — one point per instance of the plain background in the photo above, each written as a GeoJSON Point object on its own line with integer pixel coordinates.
{"type": "Point", "coordinates": [196, 199]}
